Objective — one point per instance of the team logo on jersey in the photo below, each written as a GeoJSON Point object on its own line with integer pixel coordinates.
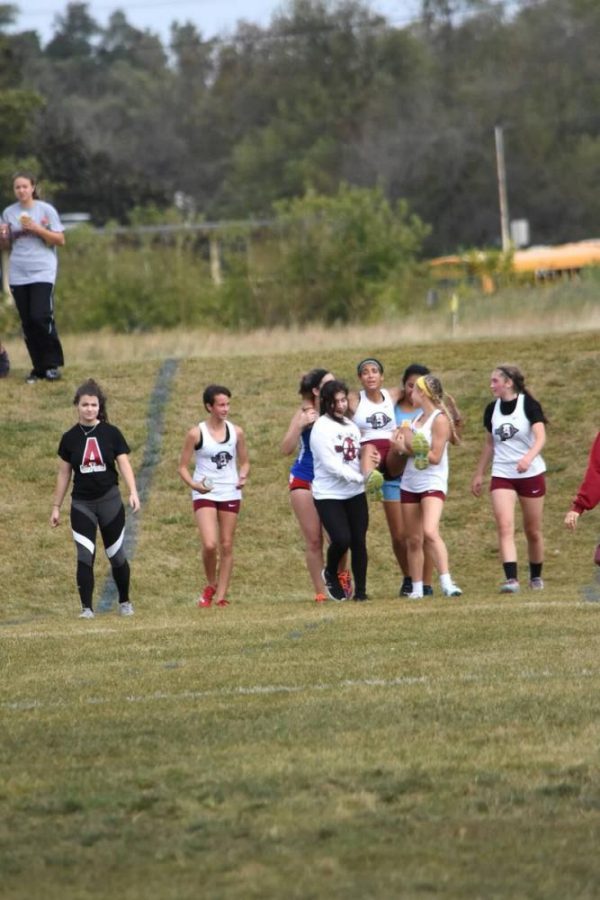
{"type": "Point", "coordinates": [506, 431]}
{"type": "Point", "coordinates": [221, 459]}
{"type": "Point", "coordinates": [347, 448]}
{"type": "Point", "coordinates": [92, 458]}
{"type": "Point", "coordinates": [378, 420]}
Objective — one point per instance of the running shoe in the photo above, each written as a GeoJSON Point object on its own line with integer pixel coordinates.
{"type": "Point", "coordinates": [52, 375]}
{"type": "Point", "coordinates": [427, 590]}
{"type": "Point", "coordinates": [208, 593]}
{"type": "Point", "coordinates": [374, 484]}
{"type": "Point", "coordinates": [452, 591]}
{"type": "Point", "coordinates": [405, 587]}
{"type": "Point", "coordinates": [360, 598]}
{"type": "Point", "coordinates": [125, 609]}
{"type": "Point", "coordinates": [222, 602]}
{"type": "Point", "coordinates": [510, 586]}
{"type": "Point", "coordinates": [345, 579]}
{"type": "Point", "coordinates": [32, 377]}
{"type": "Point", "coordinates": [320, 598]}
{"type": "Point", "coordinates": [536, 584]}
{"type": "Point", "coordinates": [420, 448]}
{"type": "Point", "coordinates": [86, 613]}
{"type": "Point", "coordinates": [414, 596]}
{"type": "Point", "coordinates": [333, 587]}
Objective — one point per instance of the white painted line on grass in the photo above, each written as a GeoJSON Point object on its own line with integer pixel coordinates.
{"type": "Point", "coordinates": [271, 689]}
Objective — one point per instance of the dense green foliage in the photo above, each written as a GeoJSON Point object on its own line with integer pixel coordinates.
{"type": "Point", "coordinates": [347, 257]}
{"type": "Point", "coordinates": [327, 94]}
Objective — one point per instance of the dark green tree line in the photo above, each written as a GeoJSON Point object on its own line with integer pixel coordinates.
{"type": "Point", "coordinates": [328, 94]}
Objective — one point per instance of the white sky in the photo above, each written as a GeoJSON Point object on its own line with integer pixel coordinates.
{"type": "Point", "coordinates": [211, 17]}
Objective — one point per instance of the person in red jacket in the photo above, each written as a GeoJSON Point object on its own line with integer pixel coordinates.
{"type": "Point", "coordinates": [588, 495]}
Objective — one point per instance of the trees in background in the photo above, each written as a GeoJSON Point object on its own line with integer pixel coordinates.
{"type": "Point", "coordinates": [327, 95]}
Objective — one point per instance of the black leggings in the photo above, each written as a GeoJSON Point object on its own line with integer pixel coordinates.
{"type": "Point", "coordinates": [108, 514]}
{"type": "Point", "coordinates": [346, 523]}
{"type": "Point", "coordinates": [35, 305]}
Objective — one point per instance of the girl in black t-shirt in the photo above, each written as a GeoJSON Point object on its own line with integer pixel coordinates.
{"type": "Point", "coordinates": [94, 452]}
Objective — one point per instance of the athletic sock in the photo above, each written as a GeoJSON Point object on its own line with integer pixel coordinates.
{"type": "Point", "coordinates": [535, 570]}
{"type": "Point", "coordinates": [417, 588]}
{"type": "Point", "coordinates": [510, 570]}
{"type": "Point", "coordinates": [446, 581]}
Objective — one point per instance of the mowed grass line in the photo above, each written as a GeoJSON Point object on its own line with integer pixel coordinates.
{"type": "Point", "coordinates": [277, 749]}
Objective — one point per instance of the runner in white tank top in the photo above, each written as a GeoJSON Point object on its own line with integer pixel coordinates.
{"type": "Point", "coordinates": [423, 494]}
{"type": "Point", "coordinates": [220, 473]}
{"type": "Point", "coordinates": [516, 434]}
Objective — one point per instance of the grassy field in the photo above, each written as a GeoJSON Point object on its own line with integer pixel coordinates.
{"type": "Point", "coordinates": [278, 749]}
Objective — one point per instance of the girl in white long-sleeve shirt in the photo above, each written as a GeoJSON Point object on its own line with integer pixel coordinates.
{"type": "Point", "coordinates": [339, 489]}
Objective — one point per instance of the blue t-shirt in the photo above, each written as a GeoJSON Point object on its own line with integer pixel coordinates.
{"type": "Point", "coordinates": [31, 259]}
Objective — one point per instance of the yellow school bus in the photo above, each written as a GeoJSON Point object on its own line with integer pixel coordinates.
{"type": "Point", "coordinates": [545, 263]}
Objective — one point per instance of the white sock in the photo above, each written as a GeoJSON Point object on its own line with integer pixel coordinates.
{"type": "Point", "coordinates": [417, 588]}
{"type": "Point", "coordinates": [446, 581]}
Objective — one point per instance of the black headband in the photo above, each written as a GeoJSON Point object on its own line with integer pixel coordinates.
{"type": "Point", "coordinates": [369, 359]}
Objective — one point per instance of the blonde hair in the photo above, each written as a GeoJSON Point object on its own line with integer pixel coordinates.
{"type": "Point", "coordinates": [432, 387]}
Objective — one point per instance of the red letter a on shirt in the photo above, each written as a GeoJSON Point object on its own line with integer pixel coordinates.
{"type": "Point", "coordinates": [92, 457]}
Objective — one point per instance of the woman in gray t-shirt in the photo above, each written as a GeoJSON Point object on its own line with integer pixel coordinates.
{"type": "Point", "coordinates": [36, 231]}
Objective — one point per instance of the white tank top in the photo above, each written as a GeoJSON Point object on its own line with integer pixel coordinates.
{"type": "Point", "coordinates": [376, 420]}
{"type": "Point", "coordinates": [217, 460]}
{"type": "Point", "coordinates": [434, 477]}
{"type": "Point", "coordinates": [513, 436]}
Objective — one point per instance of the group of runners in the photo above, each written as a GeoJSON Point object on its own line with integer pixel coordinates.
{"type": "Point", "coordinates": [389, 444]}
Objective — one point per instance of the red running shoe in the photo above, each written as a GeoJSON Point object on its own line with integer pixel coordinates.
{"type": "Point", "coordinates": [222, 602]}
{"type": "Point", "coordinates": [206, 597]}
{"type": "Point", "coordinates": [345, 579]}
{"type": "Point", "coordinates": [320, 598]}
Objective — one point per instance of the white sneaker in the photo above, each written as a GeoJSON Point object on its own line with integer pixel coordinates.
{"type": "Point", "coordinates": [86, 613]}
{"type": "Point", "coordinates": [125, 609]}
{"type": "Point", "coordinates": [510, 586]}
{"type": "Point", "coordinates": [414, 596]}
{"type": "Point", "coordinates": [452, 591]}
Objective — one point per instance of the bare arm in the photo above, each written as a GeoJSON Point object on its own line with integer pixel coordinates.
{"type": "Point", "coordinates": [51, 238]}
{"type": "Point", "coordinates": [129, 479]}
{"type": "Point", "coordinates": [353, 401]}
{"type": "Point", "coordinates": [301, 419]}
{"type": "Point", "coordinates": [484, 461]}
{"type": "Point", "coordinates": [192, 439]}
{"type": "Point", "coordinates": [440, 435]}
{"type": "Point", "coordinates": [242, 458]}
{"type": "Point", "coordinates": [539, 434]}
{"type": "Point", "coordinates": [63, 479]}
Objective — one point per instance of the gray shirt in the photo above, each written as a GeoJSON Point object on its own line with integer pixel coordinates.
{"type": "Point", "coordinates": [31, 259]}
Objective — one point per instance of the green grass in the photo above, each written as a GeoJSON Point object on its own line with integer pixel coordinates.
{"type": "Point", "coordinates": [280, 749]}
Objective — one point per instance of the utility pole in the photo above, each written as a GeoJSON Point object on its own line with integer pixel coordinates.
{"type": "Point", "coordinates": [501, 169]}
